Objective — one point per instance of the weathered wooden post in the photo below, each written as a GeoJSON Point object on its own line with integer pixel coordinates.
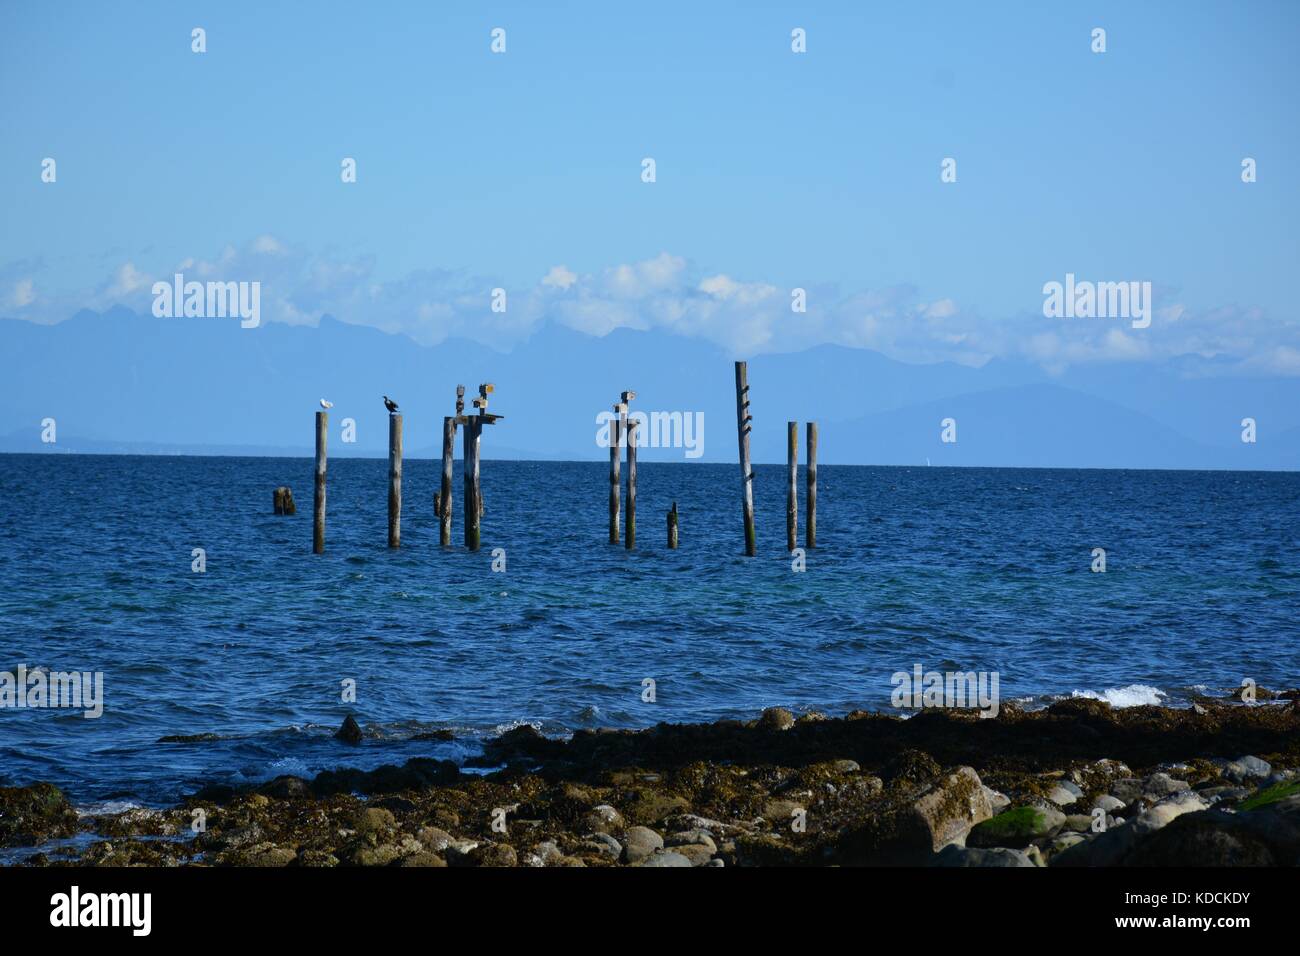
{"type": "Point", "coordinates": [394, 480]}
{"type": "Point", "coordinates": [672, 526]}
{"type": "Point", "coordinates": [810, 533]}
{"type": "Point", "coordinates": [746, 472]}
{"type": "Point", "coordinates": [615, 453]}
{"type": "Point", "coordinates": [282, 501]}
{"type": "Point", "coordinates": [318, 509]}
{"type": "Point", "coordinates": [629, 536]}
{"type": "Point", "coordinates": [791, 491]}
{"type": "Point", "coordinates": [445, 506]}
{"type": "Point", "coordinates": [472, 431]}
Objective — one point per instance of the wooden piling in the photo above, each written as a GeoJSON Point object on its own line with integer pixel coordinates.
{"type": "Point", "coordinates": [318, 508]}
{"type": "Point", "coordinates": [473, 429]}
{"type": "Point", "coordinates": [791, 490]}
{"type": "Point", "coordinates": [445, 506]}
{"type": "Point", "coordinates": [282, 501]}
{"type": "Point", "coordinates": [629, 535]}
{"type": "Point", "coordinates": [672, 526]}
{"type": "Point", "coordinates": [615, 450]}
{"type": "Point", "coordinates": [810, 532]}
{"type": "Point", "coordinates": [394, 481]}
{"type": "Point", "coordinates": [746, 472]}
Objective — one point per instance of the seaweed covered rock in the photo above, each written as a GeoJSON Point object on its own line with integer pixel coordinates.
{"type": "Point", "coordinates": [30, 815]}
{"type": "Point", "coordinates": [1017, 828]}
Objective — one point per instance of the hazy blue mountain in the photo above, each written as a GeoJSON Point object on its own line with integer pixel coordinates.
{"type": "Point", "coordinates": [120, 382]}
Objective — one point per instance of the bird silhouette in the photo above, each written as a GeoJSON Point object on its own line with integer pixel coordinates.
{"type": "Point", "coordinates": [390, 405]}
{"type": "Point", "coordinates": [325, 404]}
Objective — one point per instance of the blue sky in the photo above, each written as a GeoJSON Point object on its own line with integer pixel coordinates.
{"type": "Point", "coordinates": [774, 170]}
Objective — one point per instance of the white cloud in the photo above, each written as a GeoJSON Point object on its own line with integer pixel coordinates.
{"type": "Point", "coordinates": [744, 316]}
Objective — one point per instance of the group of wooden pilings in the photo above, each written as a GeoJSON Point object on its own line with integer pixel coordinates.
{"type": "Point", "coordinates": [623, 432]}
{"type": "Point", "coordinates": [444, 504]}
{"type": "Point", "coordinates": [744, 425]}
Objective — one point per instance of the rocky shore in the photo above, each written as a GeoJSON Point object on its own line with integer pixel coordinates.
{"type": "Point", "coordinates": [1076, 784]}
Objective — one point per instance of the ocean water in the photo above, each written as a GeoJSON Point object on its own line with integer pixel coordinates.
{"type": "Point", "coordinates": [950, 569]}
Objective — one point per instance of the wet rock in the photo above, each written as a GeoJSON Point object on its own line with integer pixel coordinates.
{"type": "Point", "coordinates": [316, 858]}
{"type": "Point", "coordinates": [1201, 839]}
{"type": "Point", "coordinates": [689, 837]}
{"type": "Point", "coordinates": [188, 738]}
{"type": "Point", "coordinates": [286, 787]}
{"type": "Point", "coordinates": [639, 843]}
{"type": "Point", "coordinates": [698, 853]}
{"type": "Point", "coordinates": [494, 854]}
{"type": "Point", "coordinates": [1078, 822]}
{"type": "Point", "coordinates": [30, 815]}
{"type": "Point", "coordinates": [604, 819]}
{"type": "Point", "coordinates": [954, 856]}
{"type": "Point", "coordinates": [846, 766]}
{"type": "Point", "coordinates": [945, 811]}
{"type": "Point", "coordinates": [650, 806]}
{"type": "Point", "coordinates": [602, 844]}
{"type": "Point", "coordinates": [364, 855]}
{"type": "Point", "coordinates": [423, 858]}
{"type": "Point", "coordinates": [374, 820]}
{"type": "Point", "coordinates": [1017, 828]}
{"type": "Point", "coordinates": [434, 839]}
{"type": "Point", "coordinates": [259, 855]}
{"type": "Point", "coordinates": [350, 732]}
{"type": "Point", "coordinates": [1247, 769]}
{"type": "Point", "coordinates": [457, 852]}
{"type": "Point", "coordinates": [776, 718]}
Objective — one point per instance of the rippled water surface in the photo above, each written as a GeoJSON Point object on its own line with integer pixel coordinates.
{"type": "Point", "coordinates": [953, 569]}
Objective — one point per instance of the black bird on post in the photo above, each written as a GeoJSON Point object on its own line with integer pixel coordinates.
{"type": "Point", "coordinates": [390, 405]}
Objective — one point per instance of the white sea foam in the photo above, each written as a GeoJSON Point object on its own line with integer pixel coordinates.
{"type": "Point", "coordinates": [1134, 695]}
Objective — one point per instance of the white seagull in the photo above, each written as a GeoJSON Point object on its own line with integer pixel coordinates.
{"type": "Point", "coordinates": [325, 404]}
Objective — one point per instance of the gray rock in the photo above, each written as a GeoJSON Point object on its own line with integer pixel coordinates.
{"type": "Point", "coordinates": [1108, 803]}
{"type": "Point", "coordinates": [1078, 822]}
{"type": "Point", "coordinates": [998, 801]}
{"type": "Point", "coordinates": [1127, 789]}
{"type": "Point", "coordinates": [846, 766]}
{"type": "Point", "coordinates": [604, 845]}
{"type": "Point", "coordinates": [1065, 793]}
{"type": "Point", "coordinates": [1247, 769]}
{"type": "Point", "coordinates": [662, 857]}
{"type": "Point", "coordinates": [639, 843]}
{"type": "Point", "coordinates": [953, 856]}
{"type": "Point", "coordinates": [1160, 785]}
{"type": "Point", "coordinates": [350, 732]}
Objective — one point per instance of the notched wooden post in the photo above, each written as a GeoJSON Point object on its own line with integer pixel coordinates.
{"type": "Point", "coordinates": [743, 426]}
{"type": "Point", "coordinates": [445, 504]}
{"type": "Point", "coordinates": [672, 526]}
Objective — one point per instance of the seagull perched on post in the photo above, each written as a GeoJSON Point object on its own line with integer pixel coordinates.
{"type": "Point", "coordinates": [390, 405]}
{"type": "Point", "coordinates": [325, 404]}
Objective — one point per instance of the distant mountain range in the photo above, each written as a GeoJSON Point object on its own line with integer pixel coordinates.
{"type": "Point", "coordinates": [125, 383]}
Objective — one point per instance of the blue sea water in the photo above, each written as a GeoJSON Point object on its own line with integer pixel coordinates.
{"type": "Point", "coordinates": [952, 569]}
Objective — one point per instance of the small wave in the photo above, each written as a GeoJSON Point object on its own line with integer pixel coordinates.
{"type": "Point", "coordinates": [1134, 695]}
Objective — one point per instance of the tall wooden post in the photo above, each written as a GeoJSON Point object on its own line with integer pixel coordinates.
{"type": "Point", "coordinates": [473, 429]}
{"type": "Point", "coordinates": [810, 533]}
{"type": "Point", "coordinates": [629, 536]}
{"type": "Point", "coordinates": [318, 510]}
{"type": "Point", "coordinates": [672, 527]}
{"type": "Point", "coordinates": [394, 481]}
{"type": "Point", "coordinates": [445, 496]}
{"type": "Point", "coordinates": [791, 490]}
{"type": "Point", "coordinates": [746, 472]}
{"type": "Point", "coordinates": [615, 451]}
